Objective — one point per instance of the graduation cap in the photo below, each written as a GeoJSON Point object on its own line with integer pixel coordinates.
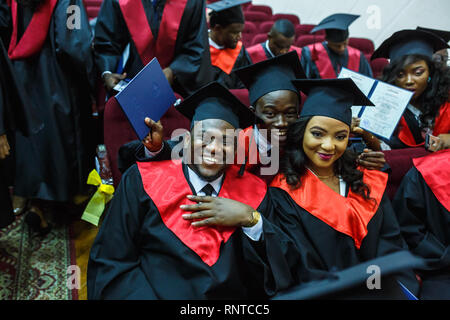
{"type": "Point", "coordinates": [406, 42]}
{"type": "Point", "coordinates": [271, 75]}
{"type": "Point", "coordinates": [331, 98]}
{"type": "Point", "coordinates": [226, 12]}
{"type": "Point", "coordinates": [214, 101]}
{"type": "Point", "coordinates": [445, 35]}
{"type": "Point", "coordinates": [336, 26]}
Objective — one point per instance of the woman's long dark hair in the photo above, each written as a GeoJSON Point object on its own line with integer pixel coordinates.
{"type": "Point", "coordinates": [437, 91]}
{"type": "Point", "coordinates": [293, 164]}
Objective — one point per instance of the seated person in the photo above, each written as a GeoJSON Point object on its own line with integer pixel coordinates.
{"type": "Point", "coordinates": [325, 60]}
{"type": "Point", "coordinates": [149, 247]}
{"type": "Point", "coordinates": [342, 209]}
{"type": "Point", "coordinates": [422, 205]}
{"type": "Point", "coordinates": [412, 68]}
{"type": "Point", "coordinates": [279, 41]}
{"type": "Point", "coordinates": [225, 45]}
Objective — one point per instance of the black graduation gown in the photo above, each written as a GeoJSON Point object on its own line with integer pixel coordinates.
{"type": "Point", "coordinates": [338, 61]}
{"type": "Point", "coordinates": [136, 256]}
{"type": "Point", "coordinates": [16, 114]}
{"type": "Point", "coordinates": [232, 81]}
{"type": "Point", "coordinates": [54, 163]}
{"type": "Point", "coordinates": [336, 250]}
{"type": "Point", "coordinates": [191, 64]}
{"type": "Point", "coordinates": [425, 225]}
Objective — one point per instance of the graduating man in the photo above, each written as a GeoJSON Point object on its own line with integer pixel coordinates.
{"type": "Point", "coordinates": [422, 205]}
{"type": "Point", "coordinates": [150, 247]}
{"type": "Point", "coordinates": [174, 32]}
{"type": "Point", "coordinates": [279, 41]}
{"type": "Point", "coordinates": [325, 60]}
{"type": "Point", "coordinates": [53, 63]}
{"type": "Point", "coordinates": [225, 45]}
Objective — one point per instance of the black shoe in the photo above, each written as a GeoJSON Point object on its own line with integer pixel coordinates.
{"type": "Point", "coordinates": [34, 221]}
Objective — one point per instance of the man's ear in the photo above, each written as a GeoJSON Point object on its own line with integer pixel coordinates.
{"type": "Point", "coordinates": [252, 108]}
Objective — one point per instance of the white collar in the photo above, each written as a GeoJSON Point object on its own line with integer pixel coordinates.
{"type": "Point", "coordinates": [215, 45]}
{"type": "Point", "coordinates": [268, 49]}
{"type": "Point", "coordinates": [416, 112]}
{"type": "Point", "coordinates": [198, 183]}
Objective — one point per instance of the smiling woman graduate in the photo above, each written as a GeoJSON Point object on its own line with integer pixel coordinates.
{"type": "Point", "coordinates": [340, 208]}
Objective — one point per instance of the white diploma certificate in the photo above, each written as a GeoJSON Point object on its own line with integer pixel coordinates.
{"type": "Point", "coordinates": [390, 103]}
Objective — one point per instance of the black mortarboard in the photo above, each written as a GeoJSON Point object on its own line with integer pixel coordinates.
{"type": "Point", "coordinates": [331, 98]}
{"type": "Point", "coordinates": [226, 12]}
{"type": "Point", "coordinates": [441, 33]}
{"type": "Point", "coordinates": [406, 42]}
{"type": "Point", "coordinates": [271, 75]}
{"type": "Point", "coordinates": [336, 26]}
{"type": "Point", "coordinates": [214, 101]}
{"type": "Point", "coordinates": [351, 283]}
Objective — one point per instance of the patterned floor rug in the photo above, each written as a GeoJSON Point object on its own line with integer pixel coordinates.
{"type": "Point", "coordinates": [35, 268]}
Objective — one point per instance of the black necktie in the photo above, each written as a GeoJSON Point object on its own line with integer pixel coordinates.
{"type": "Point", "coordinates": [208, 190]}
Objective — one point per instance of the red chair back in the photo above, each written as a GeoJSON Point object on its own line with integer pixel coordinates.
{"type": "Point", "coordinates": [262, 37]}
{"type": "Point", "coordinates": [265, 26]}
{"type": "Point", "coordinates": [365, 45]}
{"type": "Point", "coordinates": [260, 8]}
{"type": "Point", "coordinates": [256, 17]}
{"type": "Point", "coordinates": [378, 66]}
{"type": "Point", "coordinates": [305, 29]}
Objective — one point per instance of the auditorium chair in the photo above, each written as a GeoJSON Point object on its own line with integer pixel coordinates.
{"type": "Point", "coordinates": [260, 8]}
{"type": "Point", "coordinates": [365, 45]}
{"type": "Point", "coordinates": [305, 29]}
{"type": "Point", "coordinates": [258, 38]}
{"type": "Point", "coordinates": [265, 26]}
{"type": "Point", "coordinates": [400, 161]}
{"type": "Point", "coordinates": [256, 17]}
{"type": "Point", "coordinates": [378, 66]}
{"type": "Point", "coordinates": [305, 40]}
{"type": "Point", "coordinates": [291, 17]}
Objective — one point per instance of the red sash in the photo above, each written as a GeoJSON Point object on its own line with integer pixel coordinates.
{"type": "Point", "coordinates": [257, 53]}
{"type": "Point", "coordinates": [435, 170]}
{"type": "Point", "coordinates": [225, 58]}
{"type": "Point", "coordinates": [349, 215]}
{"type": "Point", "coordinates": [323, 63]}
{"type": "Point", "coordinates": [164, 47]}
{"type": "Point", "coordinates": [34, 36]}
{"type": "Point", "coordinates": [299, 51]}
{"type": "Point", "coordinates": [441, 126]}
{"type": "Point", "coordinates": [165, 184]}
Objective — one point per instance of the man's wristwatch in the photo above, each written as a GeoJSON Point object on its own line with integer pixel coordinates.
{"type": "Point", "coordinates": [256, 216]}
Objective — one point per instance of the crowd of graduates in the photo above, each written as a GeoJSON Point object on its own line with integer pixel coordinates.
{"type": "Point", "coordinates": [303, 205]}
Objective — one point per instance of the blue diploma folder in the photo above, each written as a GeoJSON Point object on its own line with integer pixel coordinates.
{"type": "Point", "coordinates": [148, 94]}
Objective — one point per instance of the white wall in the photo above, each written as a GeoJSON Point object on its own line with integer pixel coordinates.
{"type": "Point", "coordinates": [379, 18]}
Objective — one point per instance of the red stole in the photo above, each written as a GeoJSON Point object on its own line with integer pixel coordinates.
{"type": "Point", "coordinates": [349, 215]}
{"type": "Point", "coordinates": [435, 170]}
{"type": "Point", "coordinates": [34, 36]}
{"type": "Point", "coordinates": [164, 47]}
{"type": "Point", "coordinates": [225, 58]}
{"type": "Point", "coordinates": [165, 184]}
{"type": "Point", "coordinates": [441, 126]}
{"type": "Point", "coordinates": [320, 57]}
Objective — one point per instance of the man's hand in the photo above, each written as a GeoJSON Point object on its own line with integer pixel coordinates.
{"type": "Point", "coordinates": [4, 147]}
{"type": "Point", "coordinates": [111, 79]}
{"type": "Point", "coordinates": [216, 211]}
{"type": "Point", "coordinates": [372, 160]}
{"type": "Point", "coordinates": [169, 75]}
{"type": "Point", "coordinates": [153, 141]}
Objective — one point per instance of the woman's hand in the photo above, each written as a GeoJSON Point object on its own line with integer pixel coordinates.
{"type": "Point", "coordinates": [4, 147]}
{"type": "Point", "coordinates": [371, 141]}
{"type": "Point", "coordinates": [216, 211]}
{"type": "Point", "coordinates": [153, 141]}
{"type": "Point", "coordinates": [372, 160]}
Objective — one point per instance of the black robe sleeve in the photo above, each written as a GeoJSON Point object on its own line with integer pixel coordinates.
{"type": "Point", "coordinates": [364, 66]}
{"type": "Point", "coordinates": [114, 268]}
{"type": "Point", "coordinates": [111, 36]}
